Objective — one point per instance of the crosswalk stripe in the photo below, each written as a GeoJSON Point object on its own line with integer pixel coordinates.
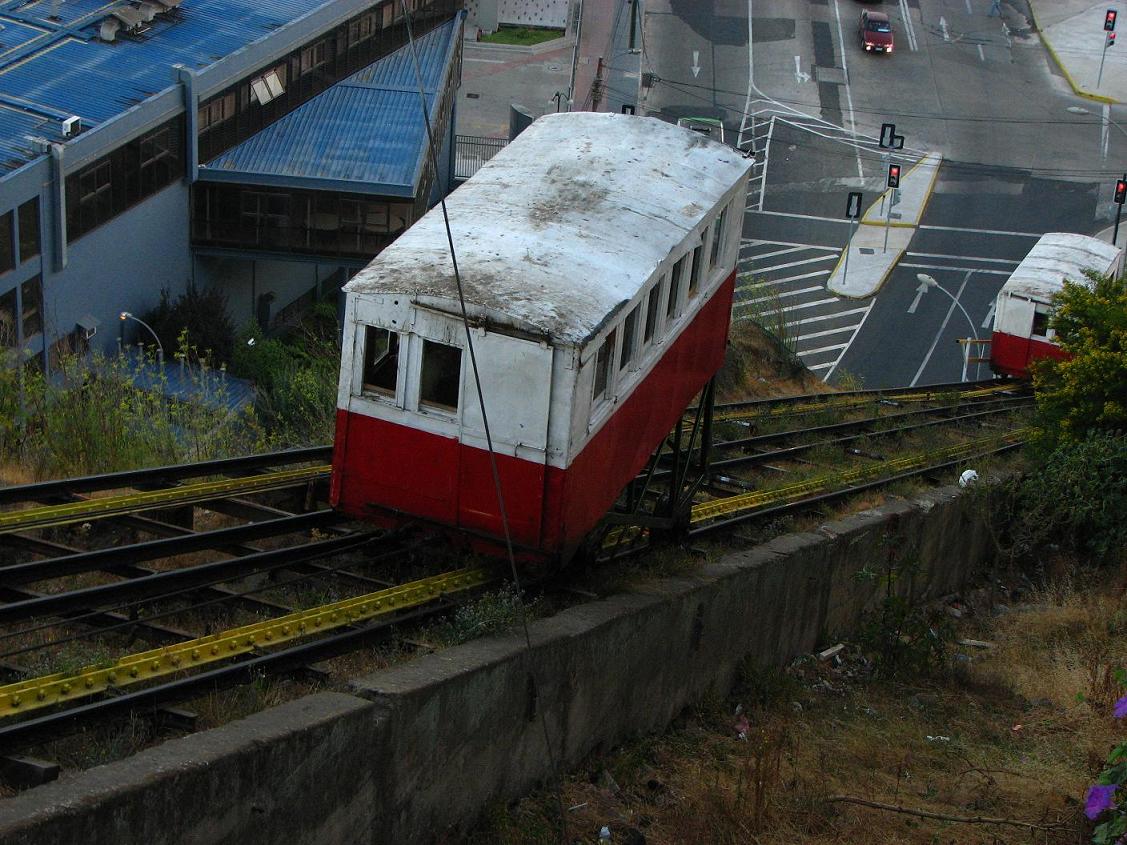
{"type": "Point", "coordinates": [785, 294]}
{"type": "Point", "coordinates": [825, 333]}
{"type": "Point", "coordinates": [791, 264]}
{"type": "Point", "coordinates": [833, 348]}
{"type": "Point", "coordinates": [825, 317]}
{"type": "Point", "coordinates": [784, 279]}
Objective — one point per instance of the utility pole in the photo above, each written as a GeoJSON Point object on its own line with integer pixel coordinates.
{"type": "Point", "coordinates": [597, 86]}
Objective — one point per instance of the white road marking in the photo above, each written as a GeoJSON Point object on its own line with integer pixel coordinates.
{"type": "Point", "coordinates": [761, 255]}
{"type": "Point", "coordinates": [848, 92]}
{"type": "Point", "coordinates": [785, 294]}
{"type": "Point", "coordinates": [795, 263]}
{"type": "Point", "coordinates": [970, 11]}
{"type": "Point", "coordinates": [957, 269]}
{"type": "Point", "coordinates": [816, 367]}
{"type": "Point", "coordinates": [766, 154]}
{"type": "Point", "coordinates": [488, 61]}
{"type": "Point", "coordinates": [824, 317]}
{"type": "Point", "coordinates": [804, 305]}
{"type": "Point", "coordinates": [961, 257]}
{"type": "Point", "coordinates": [822, 349]}
{"type": "Point", "coordinates": [825, 333]}
{"type": "Point", "coordinates": [804, 216]}
{"type": "Point", "coordinates": [800, 75]}
{"type": "Point", "coordinates": [783, 281]}
{"type": "Point", "coordinates": [943, 28]}
{"type": "Point", "coordinates": [1105, 131]}
{"type": "Point", "coordinates": [970, 231]}
{"type": "Point", "coordinates": [908, 28]}
{"type": "Point", "coordinates": [756, 242]}
{"type": "Point", "coordinates": [942, 328]}
{"type": "Point", "coordinates": [989, 315]}
{"type": "Point", "coordinates": [981, 55]}
{"type": "Point", "coordinates": [868, 310]}
{"type": "Point", "coordinates": [696, 63]}
{"type": "Point", "coordinates": [1006, 33]}
{"type": "Point", "coordinates": [920, 291]}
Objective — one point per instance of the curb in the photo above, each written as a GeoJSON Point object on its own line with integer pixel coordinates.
{"type": "Point", "coordinates": [519, 49]}
{"type": "Point", "coordinates": [880, 284]}
{"type": "Point", "coordinates": [1076, 89]}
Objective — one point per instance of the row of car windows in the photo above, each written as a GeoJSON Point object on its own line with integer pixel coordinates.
{"type": "Point", "coordinates": [440, 370]}
{"type": "Point", "coordinates": [656, 311]}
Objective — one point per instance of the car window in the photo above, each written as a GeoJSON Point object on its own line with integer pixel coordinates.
{"type": "Point", "coordinates": [880, 26]}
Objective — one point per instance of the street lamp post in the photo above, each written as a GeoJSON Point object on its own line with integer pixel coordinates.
{"type": "Point", "coordinates": [126, 315]}
{"type": "Point", "coordinates": [925, 279]}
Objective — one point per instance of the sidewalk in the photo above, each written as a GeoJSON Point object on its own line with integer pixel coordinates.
{"type": "Point", "coordinates": [881, 238]}
{"type": "Point", "coordinates": [1072, 31]}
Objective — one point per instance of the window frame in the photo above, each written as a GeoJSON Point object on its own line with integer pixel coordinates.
{"type": "Point", "coordinates": [432, 405]}
{"type": "Point", "coordinates": [370, 389]}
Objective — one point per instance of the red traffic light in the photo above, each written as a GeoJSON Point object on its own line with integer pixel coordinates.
{"type": "Point", "coordinates": [1110, 40]}
{"type": "Point", "coordinates": [1121, 191]}
{"type": "Point", "coordinates": [894, 175]}
{"type": "Point", "coordinates": [1109, 19]}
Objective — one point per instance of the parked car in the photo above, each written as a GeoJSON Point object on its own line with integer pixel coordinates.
{"type": "Point", "coordinates": [876, 32]}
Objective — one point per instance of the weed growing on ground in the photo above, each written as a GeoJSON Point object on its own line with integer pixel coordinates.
{"type": "Point", "coordinates": [491, 613]}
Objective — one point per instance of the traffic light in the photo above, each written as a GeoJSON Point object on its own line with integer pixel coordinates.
{"type": "Point", "coordinates": [1121, 191]}
{"type": "Point", "coordinates": [1110, 40]}
{"type": "Point", "coordinates": [894, 175]}
{"type": "Point", "coordinates": [1109, 20]}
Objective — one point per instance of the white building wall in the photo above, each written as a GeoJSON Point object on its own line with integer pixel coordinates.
{"type": "Point", "coordinates": [548, 13]}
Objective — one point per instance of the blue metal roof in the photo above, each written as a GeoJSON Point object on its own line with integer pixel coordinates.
{"type": "Point", "coordinates": [57, 65]}
{"type": "Point", "coordinates": [365, 134]}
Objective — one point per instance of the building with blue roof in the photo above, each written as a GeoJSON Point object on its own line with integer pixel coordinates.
{"type": "Point", "coordinates": [264, 147]}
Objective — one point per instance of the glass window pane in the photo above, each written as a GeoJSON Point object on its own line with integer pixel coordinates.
{"type": "Point", "coordinates": [602, 367]}
{"type": "Point", "coordinates": [718, 236]}
{"type": "Point", "coordinates": [671, 304]}
{"type": "Point", "coordinates": [694, 275]}
{"type": "Point", "coordinates": [31, 292]}
{"type": "Point", "coordinates": [7, 252]}
{"type": "Point", "coordinates": [8, 319]}
{"type": "Point", "coordinates": [652, 302]}
{"type": "Point", "coordinates": [29, 229]}
{"type": "Point", "coordinates": [441, 377]}
{"type": "Point", "coordinates": [629, 330]}
{"type": "Point", "coordinates": [381, 360]}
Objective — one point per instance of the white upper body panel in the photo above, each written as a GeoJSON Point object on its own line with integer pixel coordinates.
{"type": "Point", "coordinates": [1041, 274]}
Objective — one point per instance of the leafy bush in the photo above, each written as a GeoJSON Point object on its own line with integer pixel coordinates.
{"type": "Point", "coordinates": [1076, 497]}
{"type": "Point", "coordinates": [203, 314]}
{"type": "Point", "coordinates": [1088, 390]}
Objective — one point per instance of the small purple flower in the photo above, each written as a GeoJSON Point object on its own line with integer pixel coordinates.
{"type": "Point", "coordinates": [1100, 798]}
{"type": "Point", "coordinates": [1120, 711]}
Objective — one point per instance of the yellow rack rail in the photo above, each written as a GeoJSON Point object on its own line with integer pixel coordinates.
{"type": "Point", "coordinates": [36, 693]}
{"type": "Point", "coordinates": [50, 516]}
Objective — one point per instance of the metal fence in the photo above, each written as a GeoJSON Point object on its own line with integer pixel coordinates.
{"type": "Point", "coordinates": [471, 152]}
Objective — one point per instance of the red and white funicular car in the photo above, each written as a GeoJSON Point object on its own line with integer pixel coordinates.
{"type": "Point", "coordinates": [597, 255]}
{"type": "Point", "coordinates": [1022, 310]}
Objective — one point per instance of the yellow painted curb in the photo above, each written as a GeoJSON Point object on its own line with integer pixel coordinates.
{"type": "Point", "coordinates": [1076, 89]}
{"type": "Point", "coordinates": [899, 224]}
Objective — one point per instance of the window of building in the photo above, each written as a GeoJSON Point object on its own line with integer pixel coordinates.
{"type": "Point", "coordinates": [9, 339]}
{"type": "Point", "coordinates": [694, 272]}
{"type": "Point", "coordinates": [381, 360]}
{"type": "Point", "coordinates": [671, 304]}
{"type": "Point", "coordinates": [1040, 323]}
{"type": "Point", "coordinates": [31, 306]}
{"type": "Point", "coordinates": [602, 367]}
{"type": "Point", "coordinates": [629, 333]}
{"type": "Point", "coordinates": [7, 250]}
{"type": "Point", "coordinates": [718, 237]}
{"type": "Point", "coordinates": [440, 378]}
{"type": "Point", "coordinates": [265, 216]}
{"type": "Point", "coordinates": [29, 229]}
{"type": "Point", "coordinates": [653, 301]}
{"type": "Point", "coordinates": [158, 156]}
{"type": "Point", "coordinates": [313, 56]}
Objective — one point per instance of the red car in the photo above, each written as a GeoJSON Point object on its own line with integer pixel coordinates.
{"type": "Point", "coordinates": [876, 32]}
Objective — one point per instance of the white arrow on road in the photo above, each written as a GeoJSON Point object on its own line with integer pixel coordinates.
{"type": "Point", "coordinates": [800, 75]}
{"type": "Point", "coordinates": [920, 291]}
{"type": "Point", "coordinates": [989, 316]}
{"type": "Point", "coordinates": [943, 28]}
{"type": "Point", "coordinates": [696, 63]}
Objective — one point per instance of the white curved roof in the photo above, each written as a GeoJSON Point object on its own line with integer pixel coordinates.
{"type": "Point", "coordinates": [564, 225]}
{"type": "Point", "coordinates": [1058, 256]}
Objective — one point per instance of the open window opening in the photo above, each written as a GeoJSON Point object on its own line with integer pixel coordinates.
{"type": "Point", "coordinates": [602, 367]}
{"type": "Point", "coordinates": [1041, 324]}
{"type": "Point", "coordinates": [440, 379]}
{"type": "Point", "coordinates": [629, 333]}
{"type": "Point", "coordinates": [381, 361]}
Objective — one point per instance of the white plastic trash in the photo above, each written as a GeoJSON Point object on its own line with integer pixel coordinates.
{"type": "Point", "coordinates": [968, 478]}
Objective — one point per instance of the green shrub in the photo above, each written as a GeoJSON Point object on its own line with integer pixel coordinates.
{"type": "Point", "coordinates": [203, 314]}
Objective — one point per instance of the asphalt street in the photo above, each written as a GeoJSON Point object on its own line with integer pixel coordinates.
{"type": "Point", "coordinates": [1022, 153]}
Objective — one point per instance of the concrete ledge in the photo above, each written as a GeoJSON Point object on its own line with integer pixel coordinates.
{"type": "Point", "coordinates": [419, 749]}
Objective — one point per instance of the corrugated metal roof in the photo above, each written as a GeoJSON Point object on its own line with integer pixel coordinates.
{"type": "Point", "coordinates": [59, 65]}
{"type": "Point", "coordinates": [367, 129]}
{"type": "Point", "coordinates": [1058, 256]}
{"type": "Point", "coordinates": [15, 127]}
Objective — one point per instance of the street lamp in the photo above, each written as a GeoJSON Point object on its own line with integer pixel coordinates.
{"type": "Point", "coordinates": [126, 315]}
{"type": "Point", "coordinates": [930, 282]}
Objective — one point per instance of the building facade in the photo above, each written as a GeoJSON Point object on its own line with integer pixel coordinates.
{"type": "Point", "coordinates": [266, 147]}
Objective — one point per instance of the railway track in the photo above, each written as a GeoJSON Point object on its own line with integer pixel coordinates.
{"type": "Point", "coordinates": [131, 599]}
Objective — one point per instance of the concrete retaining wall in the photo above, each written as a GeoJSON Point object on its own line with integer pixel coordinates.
{"type": "Point", "coordinates": [417, 750]}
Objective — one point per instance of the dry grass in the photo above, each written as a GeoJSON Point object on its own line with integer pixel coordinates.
{"type": "Point", "coordinates": [1014, 732]}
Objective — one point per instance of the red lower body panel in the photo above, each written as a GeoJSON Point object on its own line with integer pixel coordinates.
{"type": "Point", "coordinates": [1011, 355]}
{"type": "Point", "coordinates": [382, 468]}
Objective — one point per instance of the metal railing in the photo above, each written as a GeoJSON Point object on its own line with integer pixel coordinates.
{"type": "Point", "coordinates": [471, 152]}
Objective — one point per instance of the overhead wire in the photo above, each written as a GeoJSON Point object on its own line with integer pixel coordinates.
{"type": "Point", "coordinates": [432, 148]}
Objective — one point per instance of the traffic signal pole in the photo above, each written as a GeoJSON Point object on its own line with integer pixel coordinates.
{"type": "Point", "coordinates": [1120, 197]}
{"type": "Point", "coordinates": [1109, 40]}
